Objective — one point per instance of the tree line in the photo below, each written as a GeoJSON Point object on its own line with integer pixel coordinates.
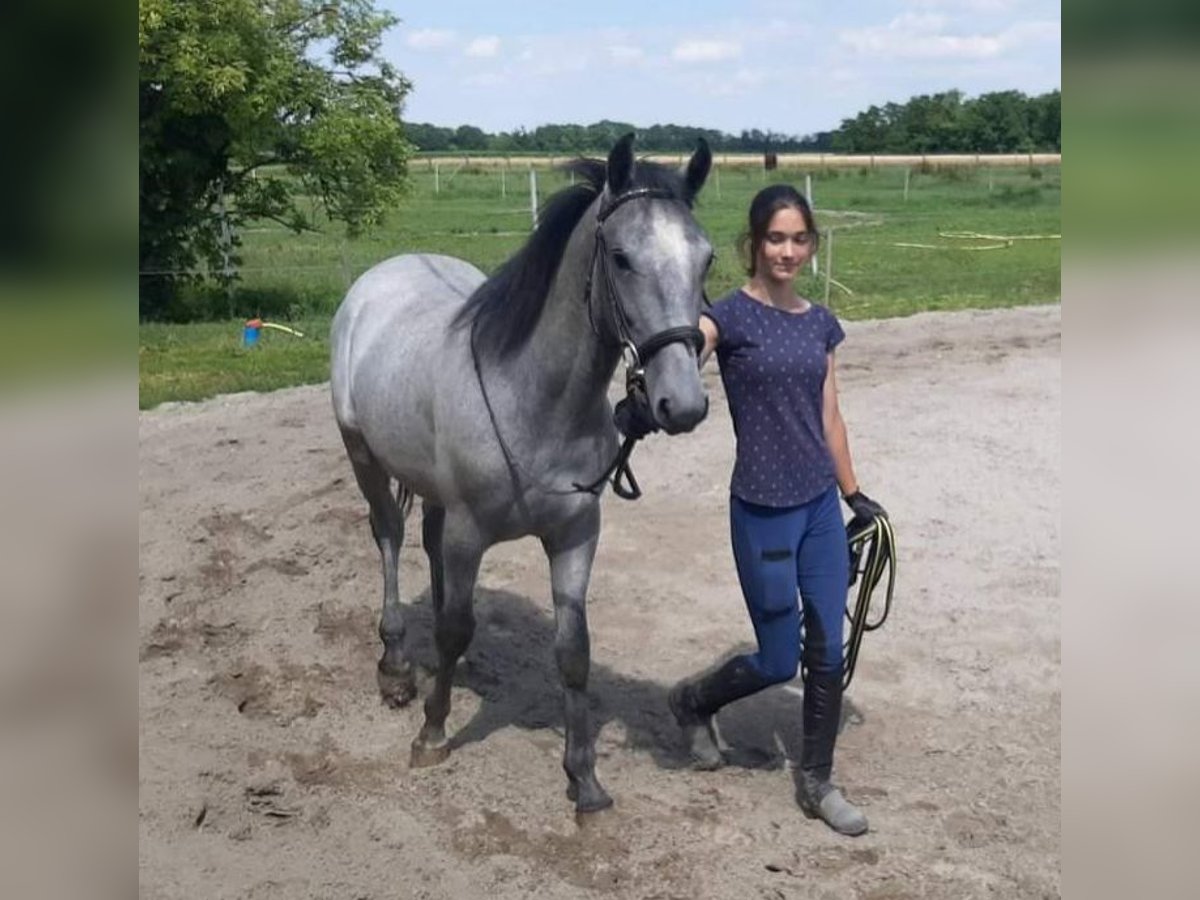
{"type": "Point", "coordinates": [999, 122]}
{"type": "Point", "coordinates": [599, 137]}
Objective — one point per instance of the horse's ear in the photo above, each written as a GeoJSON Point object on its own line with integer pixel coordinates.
{"type": "Point", "coordinates": [620, 164]}
{"type": "Point", "coordinates": [697, 168]}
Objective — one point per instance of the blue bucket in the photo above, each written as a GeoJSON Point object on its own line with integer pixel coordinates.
{"type": "Point", "coordinates": [250, 333]}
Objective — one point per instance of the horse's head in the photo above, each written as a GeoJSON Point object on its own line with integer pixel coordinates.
{"type": "Point", "coordinates": [652, 257]}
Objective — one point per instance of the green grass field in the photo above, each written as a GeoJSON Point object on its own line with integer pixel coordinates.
{"type": "Point", "coordinates": [299, 279]}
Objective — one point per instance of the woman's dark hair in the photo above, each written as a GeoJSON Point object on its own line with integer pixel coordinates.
{"type": "Point", "coordinates": [765, 204]}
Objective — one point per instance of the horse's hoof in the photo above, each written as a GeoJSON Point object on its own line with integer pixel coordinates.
{"type": "Point", "coordinates": [396, 689]}
{"type": "Point", "coordinates": [424, 755]}
{"type": "Point", "coordinates": [597, 802]}
{"type": "Point", "coordinates": [593, 799]}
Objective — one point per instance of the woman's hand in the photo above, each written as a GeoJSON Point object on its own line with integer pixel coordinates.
{"type": "Point", "coordinates": [864, 507]}
{"type": "Point", "coordinates": [633, 418]}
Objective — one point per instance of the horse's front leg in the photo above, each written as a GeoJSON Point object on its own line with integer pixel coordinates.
{"type": "Point", "coordinates": [571, 552]}
{"type": "Point", "coordinates": [460, 548]}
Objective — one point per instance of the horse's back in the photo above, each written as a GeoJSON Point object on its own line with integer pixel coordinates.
{"type": "Point", "coordinates": [399, 310]}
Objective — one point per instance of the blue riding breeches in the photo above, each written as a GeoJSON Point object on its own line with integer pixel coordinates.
{"type": "Point", "coordinates": [781, 552]}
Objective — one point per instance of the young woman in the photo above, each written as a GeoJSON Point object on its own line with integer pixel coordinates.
{"type": "Point", "coordinates": [776, 353]}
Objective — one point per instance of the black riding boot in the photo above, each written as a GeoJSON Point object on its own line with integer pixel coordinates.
{"type": "Point", "coordinates": [694, 702]}
{"type": "Point", "coordinates": [817, 796]}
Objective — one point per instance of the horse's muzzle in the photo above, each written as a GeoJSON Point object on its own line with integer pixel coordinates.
{"type": "Point", "coordinates": [678, 418]}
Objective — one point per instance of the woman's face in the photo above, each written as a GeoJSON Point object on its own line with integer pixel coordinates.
{"type": "Point", "coordinates": [785, 248]}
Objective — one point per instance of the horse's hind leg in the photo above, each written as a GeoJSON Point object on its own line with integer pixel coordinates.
{"type": "Point", "coordinates": [432, 522]}
{"type": "Point", "coordinates": [460, 549]}
{"type": "Point", "coordinates": [571, 553]}
{"type": "Point", "coordinates": [397, 684]}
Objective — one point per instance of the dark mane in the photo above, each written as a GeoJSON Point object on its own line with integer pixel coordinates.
{"type": "Point", "coordinates": [504, 310]}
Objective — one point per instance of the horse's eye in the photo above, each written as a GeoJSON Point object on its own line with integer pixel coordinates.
{"type": "Point", "coordinates": [622, 261]}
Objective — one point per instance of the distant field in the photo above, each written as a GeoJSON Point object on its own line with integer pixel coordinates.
{"type": "Point", "coordinates": [890, 257]}
{"type": "Point", "coordinates": [811, 161]}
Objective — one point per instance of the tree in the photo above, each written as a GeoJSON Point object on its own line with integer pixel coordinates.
{"type": "Point", "coordinates": [997, 123]}
{"type": "Point", "coordinates": [469, 137]}
{"type": "Point", "coordinates": [1045, 121]}
{"type": "Point", "coordinates": [246, 109]}
{"type": "Point", "coordinates": [930, 124]}
{"type": "Point", "coordinates": [865, 133]}
{"type": "Point", "coordinates": [428, 137]}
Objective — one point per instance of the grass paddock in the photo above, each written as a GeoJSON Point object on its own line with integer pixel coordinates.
{"type": "Point", "coordinates": [891, 257]}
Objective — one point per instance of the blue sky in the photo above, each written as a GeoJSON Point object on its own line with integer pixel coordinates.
{"type": "Point", "coordinates": [790, 66]}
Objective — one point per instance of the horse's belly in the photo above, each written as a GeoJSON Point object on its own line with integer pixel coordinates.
{"type": "Point", "coordinates": [394, 347]}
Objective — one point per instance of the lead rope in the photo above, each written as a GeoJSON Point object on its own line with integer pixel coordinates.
{"type": "Point", "coordinates": [879, 541]}
{"type": "Point", "coordinates": [624, 484]}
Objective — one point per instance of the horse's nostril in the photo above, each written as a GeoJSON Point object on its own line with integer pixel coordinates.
{"type": "Point", "coordinates": [664, 410]}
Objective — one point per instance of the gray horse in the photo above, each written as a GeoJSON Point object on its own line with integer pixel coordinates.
{"type": "Point", "coordinates": [488, 399]}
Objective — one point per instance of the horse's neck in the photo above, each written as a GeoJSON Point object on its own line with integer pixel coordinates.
{"type": "Point", "coordinates": [568, 363]}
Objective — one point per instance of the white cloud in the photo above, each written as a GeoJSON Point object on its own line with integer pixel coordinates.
{"type": "Point", "coordinates": [624, 53]}
{"type": "Point", "coordinates": [1033, 31]}
{"type": "Point", "coordinates": [742, 81]}
{"type": "Point", "coordinates": [483, 47]}
{"type": "Point", "coordinates": [430, 39]}
{"type": "Point", "coordinates": [922, 36]}
{"type": "Point", "coordinates": [980, 6]}
{"type": "Point", "coordinates": [693, 51]}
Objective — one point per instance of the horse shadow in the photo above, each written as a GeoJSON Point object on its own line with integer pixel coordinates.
{"type": "Point", "coordinates": [510, 666]}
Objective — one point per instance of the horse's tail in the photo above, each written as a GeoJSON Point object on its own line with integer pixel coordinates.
{"type": "Point", "coordinates": [341, 343]}
{"type": "Point", "coordinates": [404, 500]}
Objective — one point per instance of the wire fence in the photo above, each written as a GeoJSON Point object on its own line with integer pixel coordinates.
{"type": "Point", "coordinates": [869, 217]}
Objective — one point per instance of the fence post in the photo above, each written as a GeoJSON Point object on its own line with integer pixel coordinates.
{"type": "Point", "coordinates": [226, 247]}
{"type": "Point", "coordinates": [504, 180]}
{"type": "Point", "coordinates": [717, 173]}
{"type": "Point", "coordinates": [808, 195]}
{"type": "Point", "coordinates": [907, 173]}
{"type": "Point", "coordinates": [437, 178]}
{"type": "Point", "coordinates": [533, 200]}
{"type": "Point", "coordinates": [828, 265]}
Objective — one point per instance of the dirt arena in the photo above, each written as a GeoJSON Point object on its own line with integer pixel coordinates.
{"type": "Point", "coordinates": [269, 768]}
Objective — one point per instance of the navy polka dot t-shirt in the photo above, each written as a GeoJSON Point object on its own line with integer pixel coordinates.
{"type": "Point", "coordinates": [773, 366]}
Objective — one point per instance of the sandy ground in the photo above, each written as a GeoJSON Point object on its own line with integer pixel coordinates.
{"type": "Point", "coordinates": [269, 768]}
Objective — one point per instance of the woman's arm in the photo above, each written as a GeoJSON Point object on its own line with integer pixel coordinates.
{"type": "Point", "coordinates": [711, 336]}
{"type": "Point", "coordinates": [835, 433]}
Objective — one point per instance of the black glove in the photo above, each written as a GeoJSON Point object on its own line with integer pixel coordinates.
{"type": "Point", "coordinates": [864, 507]}
{"type": "Point", "coordinates": [633, 418]}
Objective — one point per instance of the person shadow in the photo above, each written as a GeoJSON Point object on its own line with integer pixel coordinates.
{"type": "Point", "coordinates": [510, 666]}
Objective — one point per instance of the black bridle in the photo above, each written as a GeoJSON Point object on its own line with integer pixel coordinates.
{"type": "Point", "coordinates": [636, 354]}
